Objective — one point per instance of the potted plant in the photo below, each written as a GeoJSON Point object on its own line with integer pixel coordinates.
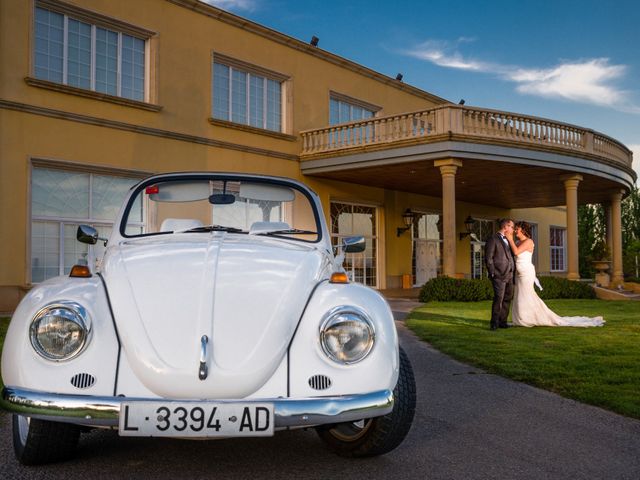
{"type": "Point", "coordinates": [601, 261]}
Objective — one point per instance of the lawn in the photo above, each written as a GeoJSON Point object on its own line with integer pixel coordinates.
{"type": "Point", "coordinates": [599, 366]}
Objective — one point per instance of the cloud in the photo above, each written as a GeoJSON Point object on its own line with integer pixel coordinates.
{"type": "Point", "coordinates": [590, 81]}
{"type": "Point", "coordinates": [246, 5]}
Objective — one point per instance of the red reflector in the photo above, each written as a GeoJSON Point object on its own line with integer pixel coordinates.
{"type": "Point", "coordinates": [339, 277]}
{"type": "Point", "coordinates": [152, 189]}
{"type": "Point", "coordinates": [80, 271]}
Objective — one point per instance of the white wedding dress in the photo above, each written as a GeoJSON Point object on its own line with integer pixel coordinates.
{"type": "Point", "coordinates": [528, 310]}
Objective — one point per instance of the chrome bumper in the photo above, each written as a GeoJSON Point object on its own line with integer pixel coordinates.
{"type": "Point", "coordinates": [105, 411]}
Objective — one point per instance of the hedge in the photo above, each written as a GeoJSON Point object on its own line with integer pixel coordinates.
{"type": "Point", "coordinates": [446, 289]}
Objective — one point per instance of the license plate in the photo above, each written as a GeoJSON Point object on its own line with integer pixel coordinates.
{"type": "Point", "coordinates": [196, 419]}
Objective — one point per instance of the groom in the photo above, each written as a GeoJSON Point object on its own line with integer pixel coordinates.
{"type": "Point", "coordinates": [501, 267]}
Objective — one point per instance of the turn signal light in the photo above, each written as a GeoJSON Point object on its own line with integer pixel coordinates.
{"type": "Point", "coordinates": [81, 271]}
{"type": "Point", "coordinates": [339, 277]}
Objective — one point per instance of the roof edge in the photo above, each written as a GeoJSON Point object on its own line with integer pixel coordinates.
{"type": "Point", "coordinates": [283, 39]}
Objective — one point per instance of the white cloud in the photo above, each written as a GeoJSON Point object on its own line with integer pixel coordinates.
{"type": "Point", "coordinates": [586, 81]}
{"type": "Point", "coordinates": [246, 5]}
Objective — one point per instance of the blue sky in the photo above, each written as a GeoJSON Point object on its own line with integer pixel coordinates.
{"type": "Point", "coordinates": [572, 61]}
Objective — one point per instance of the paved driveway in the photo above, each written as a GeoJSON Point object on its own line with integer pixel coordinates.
{"type": "Point", "coordinates": [468, 425]}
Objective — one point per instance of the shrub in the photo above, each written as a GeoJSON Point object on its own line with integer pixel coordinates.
{"type": "Point", "coordinates": [446, 289]}
{"type": "Point", "coordinates": [556, 287]}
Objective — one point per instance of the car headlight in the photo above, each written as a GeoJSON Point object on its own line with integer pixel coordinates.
{"type": "Point", "coordinates": [60, 331]}
{"type": "Point", "coordinates": [347, 334]}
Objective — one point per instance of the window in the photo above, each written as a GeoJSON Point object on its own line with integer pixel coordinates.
{"type": "Point", "coordinates": [343, 111]}
{"type": "Point", "coordinates": [246, 96]}
{"type": "Point", "coordinates": [557, 243]}
{"type": "Point", "coordinates": [73, 52]}
{"type": "Point", "coordinates": [348, 220]}
{"type": "Point", "coordinates": [481, 232]}
{"type": "Point", "coordinates": [60, 201]}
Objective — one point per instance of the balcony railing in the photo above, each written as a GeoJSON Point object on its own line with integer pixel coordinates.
{"type": "Point", "coordinates": [427, 125]}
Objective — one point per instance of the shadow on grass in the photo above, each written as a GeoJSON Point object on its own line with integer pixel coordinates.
{"type": "Point", "coordinates": [454, 319]}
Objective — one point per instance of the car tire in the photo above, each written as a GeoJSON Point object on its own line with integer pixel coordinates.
{"type": "Point", "coordinates": [379, 435]}
{"type": "Point", "coordinates": [39, 441]}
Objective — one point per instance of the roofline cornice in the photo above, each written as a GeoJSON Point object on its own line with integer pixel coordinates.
{"type": "Point", "coordinates": [281, 38]}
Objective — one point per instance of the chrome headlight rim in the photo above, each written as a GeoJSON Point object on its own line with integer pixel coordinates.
{"type": "Point", "coordinates": [79, 316]}
{"type": "Point", "coordinates": [332, 316]}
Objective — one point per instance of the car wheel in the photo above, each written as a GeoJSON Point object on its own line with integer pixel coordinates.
{"type": "Point", "coordinates": [39, 441]}
{"type": "Point", "coordinates": [376, 436]}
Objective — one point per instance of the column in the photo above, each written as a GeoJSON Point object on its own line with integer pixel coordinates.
{"type": "Point", "coordinates": [448, 170]}
{"type": "Point", "coordinates": [608, 230]}
{"type": "Point", "coordinates": [617, 275]}
{"type": "Point", "coordinates": [571, 191]}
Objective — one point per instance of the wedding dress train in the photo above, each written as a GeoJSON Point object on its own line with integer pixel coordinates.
{"type": "Point", "coordinates": [528, 310]}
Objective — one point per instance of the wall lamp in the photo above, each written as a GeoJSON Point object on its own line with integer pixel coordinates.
{"type": "Point", "coordinates": [468, 225]}
{"type": "Point", "coordinates": [407, 219]}
{"type": "Point", "coordinates": [399, 77]}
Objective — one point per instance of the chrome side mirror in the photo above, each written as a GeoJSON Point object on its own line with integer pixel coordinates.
{"type": "Point", "coordinates": [354, 244]}
{"type": "Point", "coordinates": [88, 234]}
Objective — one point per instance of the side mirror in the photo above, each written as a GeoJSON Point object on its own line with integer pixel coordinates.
{"type": "Point", "coordinates": [354, 244]}
{"type": "Point", "coordinates": [88, 234]}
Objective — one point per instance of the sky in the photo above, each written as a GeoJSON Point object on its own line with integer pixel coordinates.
{"type": "Point", "coordinates": [574, 61]}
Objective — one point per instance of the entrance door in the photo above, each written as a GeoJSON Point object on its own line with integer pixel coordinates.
{"type": "Point", "coordinates": [426, 260]}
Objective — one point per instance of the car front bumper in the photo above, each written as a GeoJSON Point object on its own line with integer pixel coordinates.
{"type": "Point", "coordinates": [105, 411]}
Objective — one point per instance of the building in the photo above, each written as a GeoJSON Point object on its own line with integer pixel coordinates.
{"type": "Point", "coordinates": [95, 94]}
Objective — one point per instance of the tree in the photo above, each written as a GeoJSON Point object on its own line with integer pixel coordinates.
{"type": "Point", "coordinates": [592, 229]}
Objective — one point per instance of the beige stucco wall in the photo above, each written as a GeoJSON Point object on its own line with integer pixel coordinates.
{"type": "Point", "coordinates": [40, 123]}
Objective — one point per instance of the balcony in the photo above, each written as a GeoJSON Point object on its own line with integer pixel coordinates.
{"type": "Point", "coordinates": [398, 151]}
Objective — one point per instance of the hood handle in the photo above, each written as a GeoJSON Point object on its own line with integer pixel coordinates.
{"type": "Point", "coordinates": [203, 371]}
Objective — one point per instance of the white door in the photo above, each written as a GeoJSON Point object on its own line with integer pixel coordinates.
{"type": "Point", "coordinates": [426, 260]}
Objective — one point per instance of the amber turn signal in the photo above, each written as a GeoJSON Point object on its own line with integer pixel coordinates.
{"type": "Point", "coordinates": [339, 277]}
{"type": "Point", "coordinates": [80, 271]}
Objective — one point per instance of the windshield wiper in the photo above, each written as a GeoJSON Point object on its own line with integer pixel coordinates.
{"type": "Point", "coordinates": [288, 231]}
{"type": "Point", "coordinates": [213, 228]}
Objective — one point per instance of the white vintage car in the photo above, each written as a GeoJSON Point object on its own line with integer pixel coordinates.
{"type": "Point", "coordinates": [218, 310]}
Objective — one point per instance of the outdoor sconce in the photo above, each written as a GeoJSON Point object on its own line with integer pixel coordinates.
{"type": "Point", "coordinates": [468, 225]}
{"type": "Point", "coordinates": [407, 219]}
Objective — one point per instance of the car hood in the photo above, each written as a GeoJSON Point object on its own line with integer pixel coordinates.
{"type": "Point", "coordinates": [245, 293]}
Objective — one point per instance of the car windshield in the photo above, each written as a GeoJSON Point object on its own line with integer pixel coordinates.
{"type": "Point", "coordinates": [180, 205]}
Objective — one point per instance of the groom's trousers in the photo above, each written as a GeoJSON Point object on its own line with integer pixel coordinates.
{"type": "Point", "coordinates": [502, 295]}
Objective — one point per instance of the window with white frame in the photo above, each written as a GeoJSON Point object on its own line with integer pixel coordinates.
{"type": "Point", "coordinates": [342, 110]}
{"type": "Point", "coordinates": [74, 52]}
{"type": "Point", "coordinates": [481, 231]}
{"type": "Point", "coordinates": [60, 201]}
{"type": "Point", "coordinates": [247, 96]}
{"type": "Point", "coordinates": [557, 248]}
{"type": "Point", "coordinates": [350, 219]}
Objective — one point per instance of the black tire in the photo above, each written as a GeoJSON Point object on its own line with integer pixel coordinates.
{"type": "Point", "coordinates": [39, 441]}
{"type": "Point", "coordinates": [380, 435]}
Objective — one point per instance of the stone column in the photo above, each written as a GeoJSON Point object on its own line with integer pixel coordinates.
{"type": "Point", "coordinates": [448, 170]}
{"type": "Point", "coordinates": [571, 191]}
{"type": "Point", "coordinates": [617, 275]}
{"type": "Point", "coordinates": [608, 230]}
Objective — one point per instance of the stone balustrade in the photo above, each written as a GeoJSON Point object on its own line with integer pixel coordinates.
{"type": "Point", "coordinates": [468, 122]}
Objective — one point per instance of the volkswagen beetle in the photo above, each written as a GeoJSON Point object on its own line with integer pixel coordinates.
{"type": "Point", "coordinates": [218, 309]}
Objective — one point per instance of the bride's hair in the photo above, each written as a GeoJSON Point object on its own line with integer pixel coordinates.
{"type": "Point", "coordinates": [525, 227]}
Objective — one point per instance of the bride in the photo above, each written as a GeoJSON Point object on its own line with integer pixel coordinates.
{"type": "Point", "coordinates": [528, 310]}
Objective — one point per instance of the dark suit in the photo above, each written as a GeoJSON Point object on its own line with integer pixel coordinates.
{"type": "Point", "coordinates": [501, 267]}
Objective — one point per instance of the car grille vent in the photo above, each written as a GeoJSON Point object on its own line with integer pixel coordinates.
{"type": "Point", "coordinates": [83, 380]}
{"type": "Point", "coordinates": [319, 382]}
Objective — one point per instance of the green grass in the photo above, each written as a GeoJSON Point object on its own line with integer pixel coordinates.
{"type": "Point", "coordinates": [599, 366]}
